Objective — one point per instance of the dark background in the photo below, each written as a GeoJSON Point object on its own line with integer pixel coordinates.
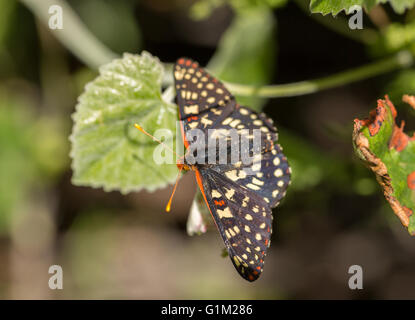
{"type": "Point", "coordinates": [115, 246]}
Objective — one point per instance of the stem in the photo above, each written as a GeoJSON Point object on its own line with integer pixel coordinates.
{"type": "Point", "coordinates": [74, 35]}
{"type": "Point", "coordinates": [402, 59]}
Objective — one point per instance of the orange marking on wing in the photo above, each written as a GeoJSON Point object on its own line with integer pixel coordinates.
{"type": "Point", "coordinates": [188, 63]}
{"type": "Point", "coordinates": [266, 241]}
{"type": "Point", "coordinates": [194, 65]}
{"type": "Point", "coordinates": [251, 277]}
{"type": "Point", "coordinates": [258, 268]}
{"type": "Point", "coordinates": [219, 203]}
{"type": "Point", "coordinates": [181, 61]}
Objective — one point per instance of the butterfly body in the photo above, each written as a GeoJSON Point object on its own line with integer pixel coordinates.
{"type": "Point", "coordinates": [240, 195]}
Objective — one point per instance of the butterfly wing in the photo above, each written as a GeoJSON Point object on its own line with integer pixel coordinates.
{"type": "Point", "coordinates": [267, 173]}
{"type": "Point", "coordinates": [244, 221]}
{"type": "Point", "coordinates": [202, 99]}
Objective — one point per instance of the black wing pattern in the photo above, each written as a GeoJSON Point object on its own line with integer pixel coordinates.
{"type": "Point", "coordinates": [268, 173]}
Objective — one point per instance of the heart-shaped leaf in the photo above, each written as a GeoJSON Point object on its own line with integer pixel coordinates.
{"type": "Point", "coordinates": [107, 150]}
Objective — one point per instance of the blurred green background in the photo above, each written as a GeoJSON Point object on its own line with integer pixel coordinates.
{"type": "Point", "coordinates": [115, 246]}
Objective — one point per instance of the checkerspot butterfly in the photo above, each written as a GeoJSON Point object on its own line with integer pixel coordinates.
{"type": "Point", "coordinates": [239, 203]}
{"type": "Point", "coordinates": [239, 195]}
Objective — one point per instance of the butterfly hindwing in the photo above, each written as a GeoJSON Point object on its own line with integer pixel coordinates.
{"type": "Point", "coordinates": [268, 175]}
{"type": "Point", "coordinates": [244, 221]}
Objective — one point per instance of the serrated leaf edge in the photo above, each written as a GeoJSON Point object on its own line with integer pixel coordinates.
{"type": "Point", "coordinates": [100, 185]}
{"type": "Point", "coordinates": [361, 145]}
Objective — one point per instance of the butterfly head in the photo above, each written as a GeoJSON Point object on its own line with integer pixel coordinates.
{"type": "Point", "coordinates": [182, 166]}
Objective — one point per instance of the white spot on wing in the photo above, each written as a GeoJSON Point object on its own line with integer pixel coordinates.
{"type": "Point", "coordinates": [225, 213]}
{"type": "Point", "coordinates": [278, 173]}
{"type": "Point", "coordinates": [215, 194]}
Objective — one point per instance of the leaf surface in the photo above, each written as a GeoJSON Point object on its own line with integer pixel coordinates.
{"type": "Point", "coordinates": [390, 153]}
{"type": "Point", "coordinates": [107, 150]}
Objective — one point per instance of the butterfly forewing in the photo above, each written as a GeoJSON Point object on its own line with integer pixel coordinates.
{"type": "Point", "coordinates": [199, 92]}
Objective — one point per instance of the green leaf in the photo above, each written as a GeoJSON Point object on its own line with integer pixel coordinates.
{"type": "Point", "coordinates": [246, 52]}
{"type": "Point", "coordinates": [334, 7]}
{"type": "Point", "coordinates": [390, 154]}
{"type": "Point", "coordinates": [107, 150]}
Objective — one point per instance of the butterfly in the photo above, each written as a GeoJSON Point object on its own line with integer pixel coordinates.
{"type": "Point", "coordinates": [239, 202]}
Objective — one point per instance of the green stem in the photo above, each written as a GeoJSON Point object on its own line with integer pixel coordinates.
{"type": "Point", "coordinates": [74, 35]}
{"type": "Point", "coordinates": [402, 59]}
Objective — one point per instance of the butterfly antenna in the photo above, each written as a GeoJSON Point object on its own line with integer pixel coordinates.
{"type": "Point", "coordinates": [168, 206]}
{"type": "Point", "coordinates": [155, 139]}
